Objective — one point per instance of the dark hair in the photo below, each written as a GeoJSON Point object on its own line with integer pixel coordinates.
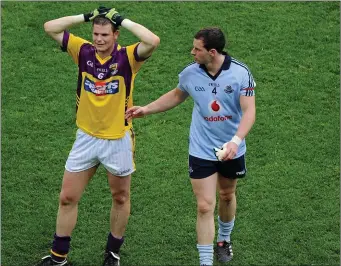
{"type": "Point", "coordinates": [101, 20]}
{"type": "Point", "coordinates": [212, 37]}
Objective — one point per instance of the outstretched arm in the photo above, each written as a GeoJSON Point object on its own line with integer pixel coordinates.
{"type": "Point", "coordinates": [164, 103]}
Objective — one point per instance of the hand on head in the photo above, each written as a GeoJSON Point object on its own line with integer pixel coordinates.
{"type": "Point", "coordinates": [109, 13]}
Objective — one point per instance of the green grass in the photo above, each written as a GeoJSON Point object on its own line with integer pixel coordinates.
{"type": "Point", "coordinates": [289, 204]}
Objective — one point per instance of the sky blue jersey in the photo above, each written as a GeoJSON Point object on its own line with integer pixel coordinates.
{"type": "Point", "coordinates": [216, 113]}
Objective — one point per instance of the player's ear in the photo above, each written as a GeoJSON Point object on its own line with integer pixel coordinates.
{"type": "Point", "coordinates": [213, 52]}
{"type": "Point", "coordinates": [116, 34]}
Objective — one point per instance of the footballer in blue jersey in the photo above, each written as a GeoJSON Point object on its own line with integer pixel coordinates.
{"type": "Point", "coordinates": [224, 111]}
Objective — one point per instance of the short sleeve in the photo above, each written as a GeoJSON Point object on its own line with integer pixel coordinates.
{"type": "Point", "coordinates": [134, 60]}
{"type": "Point", "coordinates": [182, 85]}
{"type": "Point", "coordinates": [72, 44]}
{"type": "Point", "coordinates": [248, 84]}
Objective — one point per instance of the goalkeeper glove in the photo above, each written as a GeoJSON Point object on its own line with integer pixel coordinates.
{"type": "Point", "coordinates": [114, 17]}
{"type": "Point", "coordinates": [97, 12]}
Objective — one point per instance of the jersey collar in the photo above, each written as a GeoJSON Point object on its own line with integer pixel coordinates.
{"type": "Point", "coordinates": [225, 66]}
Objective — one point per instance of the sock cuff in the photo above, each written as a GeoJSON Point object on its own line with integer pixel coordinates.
{"type": "Point", "coordinates": [207, 247]}
{"type": "Point", "coordinates": [226, 223]}
{"type": "Point", "coordinates": [63, 238]}
{"type": "Point", "coordinates": [110, 236]}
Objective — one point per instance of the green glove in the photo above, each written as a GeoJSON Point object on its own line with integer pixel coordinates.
{"type": "Point", "coordinates": [97, 12]}
{"type": "Point", "coordinates": [114, 17]}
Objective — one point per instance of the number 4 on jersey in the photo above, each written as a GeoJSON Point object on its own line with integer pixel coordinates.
{"type": "Point", "coordinates": [214, 90]}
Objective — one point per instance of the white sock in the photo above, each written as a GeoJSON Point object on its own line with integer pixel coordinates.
{"type": "Point", "coordinates": [224, 230]}
{"type": "Point", "coordinates": [205, 254]}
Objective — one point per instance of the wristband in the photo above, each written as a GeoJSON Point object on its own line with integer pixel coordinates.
{"type": "Point", "coordinates": [236, 140]}
{"type": "Point", "coordinates": [87, 17]}
{"type": "Point", "coordinates": [119, 20]}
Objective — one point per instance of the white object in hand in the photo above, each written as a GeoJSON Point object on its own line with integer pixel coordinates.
{"type": "Point", "coordinates": [220, 153]}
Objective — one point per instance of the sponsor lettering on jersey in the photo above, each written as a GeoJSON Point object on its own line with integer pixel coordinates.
{"type": "Point", "coordinates": [100, 88]}
{"type": "Point", "coordinates": [217, 118]}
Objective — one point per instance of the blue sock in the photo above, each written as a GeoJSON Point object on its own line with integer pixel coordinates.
{"type": "Point", "coordinates": [224, 231]}
{"type": "Point", "coordinates": [205, 254]}
{"type": "Point", "coordinates": [114, 244]}
{"type": "Point", "coordinates": [60, 248]}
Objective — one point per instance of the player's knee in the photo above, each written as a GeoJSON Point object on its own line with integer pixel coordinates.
{"type": "Point", "coordinates": [227, 195]}
{"type": "Point", "coordinates": [121, 197]}
{"type": "Point", "coordinates": [206, 206]}
{"type": "Point", "coordinates": [67, 199]}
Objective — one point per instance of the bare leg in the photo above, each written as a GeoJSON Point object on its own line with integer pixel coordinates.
{"type": "Point", "coordinates": [205, 192]}
{"type": "Point", "coordinates": [71, 192]}
{"type": "Point", "coordinates": [227, 198]}
{"type": "Point", "coordinates": [120, 209]}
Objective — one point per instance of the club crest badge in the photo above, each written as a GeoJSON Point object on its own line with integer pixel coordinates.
{"type": "Point", "coordinates": [113, 69]}
{"type": "Point", "coordinates": [228, 89]}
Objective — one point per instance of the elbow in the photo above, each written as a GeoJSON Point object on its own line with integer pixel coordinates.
{"type": "Point", "coordinates": [155, 42]}
{"type": "Point", "coordinates": [47, 27]}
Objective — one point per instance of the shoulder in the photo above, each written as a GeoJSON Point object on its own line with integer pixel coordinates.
{"type": "Point", "coordinates": [239, 66]}
{"type": "Point", "coordinates": [127, 49]}
{"type": "Point", "coordinates": [190, 68]}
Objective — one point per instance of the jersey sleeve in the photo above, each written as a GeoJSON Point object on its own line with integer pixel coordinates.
{"type": "Point", "coordinates": [248, 84]}
{"type": "Point", "coordinates": [182, 84]}
{"type": "Point", "coordinates": [134, 60]}
{"type": "Point", "coordinates": [72, 44]}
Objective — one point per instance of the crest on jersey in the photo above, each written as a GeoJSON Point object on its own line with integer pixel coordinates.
{"type": "Point", "coordinates": [228, 89]}
{"type": "Point", "coordinates": [113, 69]}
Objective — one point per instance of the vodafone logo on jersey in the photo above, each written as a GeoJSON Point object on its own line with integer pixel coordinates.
{"type": "Point", "coordinates": [215, 107]}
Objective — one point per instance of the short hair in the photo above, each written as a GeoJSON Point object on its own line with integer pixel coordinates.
{"type": "Point", "coordinates": [101, 20]}
{"type": "Point", "coordinates": [212, 37]}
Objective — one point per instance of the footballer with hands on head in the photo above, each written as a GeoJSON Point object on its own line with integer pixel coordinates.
{"type": "Point", "coordinates": [104, 92]}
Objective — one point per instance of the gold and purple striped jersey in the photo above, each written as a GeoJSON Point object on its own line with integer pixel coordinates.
{"type": "Point", "coordinates": [105, 86]}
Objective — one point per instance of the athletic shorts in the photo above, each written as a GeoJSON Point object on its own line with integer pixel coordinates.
{"type": "Point", "coordinates": [116, 155]}
{"type": "Point", "coordinates": [200, 168]}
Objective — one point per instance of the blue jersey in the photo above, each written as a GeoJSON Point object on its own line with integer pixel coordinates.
{"type": "Point", "coordinates": [216, 112]}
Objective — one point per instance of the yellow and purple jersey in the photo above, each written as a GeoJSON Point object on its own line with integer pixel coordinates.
{"type": "Point", "coordinates": [105, 86]}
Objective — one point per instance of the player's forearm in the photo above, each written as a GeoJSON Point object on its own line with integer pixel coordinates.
{"type": "Point", "coordinates": [141, 32]}
{"type": "Point", "coordinates": [61, 24]}
{"type": "Point", "coordinates": [164, 103]}
{"type": "Point", "coordinates": [246, 123]}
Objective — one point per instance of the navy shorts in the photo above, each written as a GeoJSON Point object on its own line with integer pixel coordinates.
{"type": "Point", "coordinates": [200, 168]}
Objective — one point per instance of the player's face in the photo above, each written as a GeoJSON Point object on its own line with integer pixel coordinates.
{"type": "Point", "coordinates": [201, 55]}
{"type": "Point", "coordinates": [103, 37]}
